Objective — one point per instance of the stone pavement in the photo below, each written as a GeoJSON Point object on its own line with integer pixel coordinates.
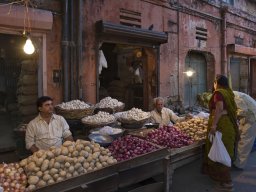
{"type": "Point", "coordinates": [189, 179]}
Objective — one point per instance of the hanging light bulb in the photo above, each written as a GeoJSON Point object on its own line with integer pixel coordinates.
{"type": "Point", "coordinates": [29, 47]}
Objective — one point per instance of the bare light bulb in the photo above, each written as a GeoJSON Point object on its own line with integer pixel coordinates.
{"type": "Point", "coordinates": [189, 73]}
{"type": "Point", "coordinates": [29, 47]}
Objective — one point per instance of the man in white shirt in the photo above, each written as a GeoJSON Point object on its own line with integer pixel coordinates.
{"type": "Point", "coordinates": [47, 129]}
{"type": "Point", "coordinates": [163, 115]}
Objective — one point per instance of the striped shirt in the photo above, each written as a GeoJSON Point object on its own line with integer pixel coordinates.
{"type": "Point", "coordinates": [45, 135]}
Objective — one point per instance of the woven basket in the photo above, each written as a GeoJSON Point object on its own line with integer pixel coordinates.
{"type": "Point", "coordinates": [132, 124]}
{"type": "Point", "coordinates": [74, 113]}
{"type": "Point", "coordinates": [115, 109]}
{"type": "Point", "coordinates": [119, 108]}
{"type": "Point", "coordinates": [99, 124]}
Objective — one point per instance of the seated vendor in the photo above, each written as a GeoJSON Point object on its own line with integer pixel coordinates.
{"type": "Point", "coordinates": [47, 129]}
{"type": "Point", "coordinates": [164, 116]}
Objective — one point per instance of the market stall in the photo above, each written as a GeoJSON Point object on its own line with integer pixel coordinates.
{"type": "Point", "coordinates": [137, 152]}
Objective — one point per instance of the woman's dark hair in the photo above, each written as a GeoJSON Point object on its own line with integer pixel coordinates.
{"type": "Point", "coordinates": [222, 81]}
{"type": "Point", "coordinates": [42, 99]}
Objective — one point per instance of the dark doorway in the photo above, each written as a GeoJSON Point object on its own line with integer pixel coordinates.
{"type": "Point", "coordinates": [18, 88]}
{"type": "Point", "coordinates": [130, 74]}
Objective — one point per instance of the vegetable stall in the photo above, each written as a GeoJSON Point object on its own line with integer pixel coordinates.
{"type": "Point", "coordinates": [136, 154]}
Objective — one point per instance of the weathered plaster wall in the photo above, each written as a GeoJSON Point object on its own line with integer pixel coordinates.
{"type": "Point", "coordinates": [54, 59]}
{"type": "Point", "coordinates": [172, 55]}
{"type": "Point", "coordinates": [109, 11]}
{"type": "Point", "coordinates": [164, 18]}
{"type": "Point", "coordinates": [248, 6]}
{"type": "Point", "coordinates": [188, 42]}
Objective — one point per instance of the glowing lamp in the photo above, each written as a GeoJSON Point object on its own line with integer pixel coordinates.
{"type": "Point", "coordinates": [29, 47]}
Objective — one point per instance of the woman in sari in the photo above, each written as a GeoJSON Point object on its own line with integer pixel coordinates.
{"type": "Point", "coordinates": [222, 118]}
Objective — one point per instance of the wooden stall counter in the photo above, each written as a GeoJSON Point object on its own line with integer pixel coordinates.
{"type": "Point", "coordinates": [119, 175]}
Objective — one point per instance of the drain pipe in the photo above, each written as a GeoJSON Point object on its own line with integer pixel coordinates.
{"type": "Point", "coordinates": [225, 68]}
{"type": "Point", "coordinates": [72, 51]}
{"type": "Point", "coordinates": [178, 50]}
{"type": "Point", "coordinates": [80, 44]}
{"type": "Point", "coordinates": [65, 51]}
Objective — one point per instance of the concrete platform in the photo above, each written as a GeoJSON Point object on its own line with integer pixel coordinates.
{"type": "Point", "coordinates": [189, 178]}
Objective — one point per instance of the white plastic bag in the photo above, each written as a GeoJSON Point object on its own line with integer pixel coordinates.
{"type": "Point", "coordinates": [103, 61]}
{"type": "Point", "coordinates": [218, 152]}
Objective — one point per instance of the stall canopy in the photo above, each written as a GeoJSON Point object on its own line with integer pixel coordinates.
{"type": "Point", "coordinates": [132, 34]}
{"type": "Point", "coordinates": [13, 17]}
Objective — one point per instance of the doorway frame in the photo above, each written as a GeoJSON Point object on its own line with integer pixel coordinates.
{"type": "Point", "coordinates": [146, 102]}
{"type": "Point", "coordinates": [41, 55]}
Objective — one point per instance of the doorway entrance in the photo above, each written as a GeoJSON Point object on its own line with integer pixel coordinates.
{"type": "Point", "coordinates": [197, 83]}
{"type": "Point", "coordinates": [130, 74]}
{"type": "Point", "coordinates": [18, 87]}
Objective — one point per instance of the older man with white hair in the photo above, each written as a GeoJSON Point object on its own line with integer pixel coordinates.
{"type": "Point", "coordinates": [164, 116]}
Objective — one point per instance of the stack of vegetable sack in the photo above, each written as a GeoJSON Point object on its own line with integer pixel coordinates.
{"type": "Point", "coordinates": [27, 90]}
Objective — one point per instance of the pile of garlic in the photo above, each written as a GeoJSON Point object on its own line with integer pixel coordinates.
{"type": "Point", "coordinates": [135, 114]}
{"type": "Point", "coordinates": [109, 102]}
{"type": "Point", "coordinates": [74, 104]}
{"type": "Point", "coordinates": [100, 118]}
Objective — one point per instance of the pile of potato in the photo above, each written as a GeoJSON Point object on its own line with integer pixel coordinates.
{"type": "Point", "coordinates": [100, 118]}
{"type": "Point", "coordinates": [74, 104]}
{"type": "Point", "coordinates": [70, 160]}
{"type": "Point", "coordinates": [195, 128]}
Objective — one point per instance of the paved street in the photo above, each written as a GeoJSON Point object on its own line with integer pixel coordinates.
{"type": "Point", "coordinates": [189, 179]}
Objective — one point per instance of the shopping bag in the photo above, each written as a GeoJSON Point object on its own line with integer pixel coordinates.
{"type": "Point", "coordinates": [103, 61]}
{"type": "Point", "coordinates": [218, 152]}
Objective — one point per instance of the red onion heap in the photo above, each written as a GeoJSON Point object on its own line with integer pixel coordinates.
{"type": "Point", "coordinates": [169, 137]}
{"type": "Point", "coordinates": [129, 147]}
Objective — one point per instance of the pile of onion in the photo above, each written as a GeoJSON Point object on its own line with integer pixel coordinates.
{"type": "Point", "coordinates": [169, 137]}
{"type": "Point", "coordinates": [129, 147]}
{"type": "Point", "coordinates": [12, 177]}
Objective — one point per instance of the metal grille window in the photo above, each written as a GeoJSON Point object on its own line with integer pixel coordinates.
{"type": "Point", "coordinates": [201, 33]}
{"type": "Point", "coordinates": [130, 18]}
{"type": "Point", "coordinates": [239, 40]}
{"type": "Point", "coordinates": [230, 2]}
{"type": "Point", "coordinates": [201, 36]}
{"type": "Point", "coordinates": [254, 43]}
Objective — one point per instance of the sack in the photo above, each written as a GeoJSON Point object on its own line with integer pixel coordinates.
{"type": "Point", "coordinates": [218, 152]}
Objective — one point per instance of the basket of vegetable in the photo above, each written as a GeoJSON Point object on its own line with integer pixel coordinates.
{"type": "Point", "coordinates": [134, 118]}
{"type": "Point", "coordinates": [74, 109]}
{"type": "Point", "coordinates": [99, 120]}
{"type": "Point", "coordinates": [110, 103]}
